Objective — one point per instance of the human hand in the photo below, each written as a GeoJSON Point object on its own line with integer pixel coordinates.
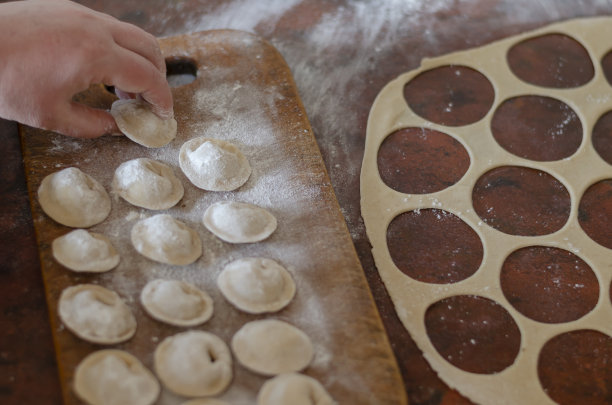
{"type": "Point", "coordinates": [54, 49]}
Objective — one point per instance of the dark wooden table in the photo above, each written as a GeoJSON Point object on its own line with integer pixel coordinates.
{"type": "Point", "coordinates": [341, 54]}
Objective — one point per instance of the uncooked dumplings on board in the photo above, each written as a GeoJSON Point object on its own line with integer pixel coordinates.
{"type": "Point", "coordinates": [256, 285]}
{"type": "Point", "coordinates": [96, 314]}
{"type": "Point", "coordinates": [237, 222]}
{"type": "Point", "coordinates": [80, 250]}
{"type": "Point", "coordinates": [114, 377]}
{"type": "Point", "coordinates": [74, 198]}
{"type": "Point", "coordinates": [137, 121]}
{"type": "Point", "coordinates": [147, 183]}
{"type": "Point", "coordinates": [166, 240]}
{"type": "Point", "coordinates": [213, 164]}
{"type": "Point", "coordinates": [294, 389]}
{"type": "Point", "coordinates": [176, 302]}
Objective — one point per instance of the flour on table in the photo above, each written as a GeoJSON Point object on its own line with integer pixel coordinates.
{"type": "Point", "coordinates": [272, 347]}
{"type": "Point", "coordinates": [96, 314]}
{"type": "Point", "coordinates": [80, 250]}
{"type": "Point", "coordinates": [256, 285]}
{"type": "Point", "coordinates": [294, 389]}
{"type": "Point", "coordinates": [138, 122]}
{"type": "Point", "coordinates": [166, 240]}
{"type": "Point", "coordinates": [147, 183]}
{"type": "Point", "coordinates": [194, 363]}
{"type": "Point", "coordinates": [237, 222]}
{"type": "Point", "coordinates": [176, 302]}
{"type": "Point", "coordinates": [213, 164]}
{"type": "Point", "coordinates": [114, 377]}
{"type": "Point", "coordinates": [74, 198]}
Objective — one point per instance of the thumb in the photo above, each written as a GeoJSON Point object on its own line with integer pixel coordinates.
{"type": "Point", "coordinates": [81, 121]}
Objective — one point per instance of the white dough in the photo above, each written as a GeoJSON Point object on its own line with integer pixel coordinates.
{"type": "Point", "coordinates": [138, 122]}
{"type": "Point", "coordinates": [80, 250]}
{"type": "Point", "coordinates": [176, 302]}
{"type": "Point", "coordinates": [213, 164]}
{"type": "Point", "coordinates": [148, 183]}
{"type": "Point", "coordinates": [238, 222]}
{"type": "Point", "coordinates": [194, 363]}
{"type": "Point", "coordinates": [110, 377]}
{"type": "Point", "coordinates": [74, 198]}
{"type": "Point", "coordinates": [166, 240]}
{"type": "Point", "coordinates": [96, 314]}
{"type": "Point", "coordinates": [205, 401]}
{"type": "Point", "coordinates": [256, 285]}
{"type": "Point", "coordinates": [293, 389]}
{"type": "Point", "coordinates": [272, 347]}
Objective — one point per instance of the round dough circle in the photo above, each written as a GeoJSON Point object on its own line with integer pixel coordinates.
{"type": "Point", "coordinates": [137, 121]}
{"type": "Point", "coordinates": [237, 222]}
{"type": "Point", "coordinates": [166, 240]}
{"type": "Point", "coordinates": [80, 250]}
{"type": "Point", "coordinates": [96, 314]}
{"type": "Point", "coordinates": [205, 401]}
{"type": "Point", "coordinates": [213, 164]}
{"type": "Point", "coordinates": [74, 198]}
{"type": "Point", "coordinates": [272, 347]}
{"type": "Point", "coordinates": [114, 377]}
{"type": "Point", "coordinates": [256, 285]}
{"type": "Point", "coordinates": [176, 302]}
{"type": "Point", "coordinates": [147, 183]}
{"type": "Point", "coordinates": [294, 389]}
{"type": "Point", "coordinates": [194, 363]}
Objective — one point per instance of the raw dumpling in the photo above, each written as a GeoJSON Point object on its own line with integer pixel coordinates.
{"type": "Point", "coordinates": [148, 183]}
{"type": "Point", "coordinates": [166, 240]}
{"type": "Point", "coordinates": [74, 198]}
{"type": "Point", "coordinates": [137, 121]}
{"type": "Point", "coordinates": [294, 389]}
{"type": "Point", "coordinates": [96, 314]}
{"type": "Point", "coordinates": [80, 250]}
{"type": "Point", "coordinates": [194, 363]}
{"type": "Point", "coordinates": [271, 347]}
{"type": "Point", "coordinates": [256, 285]}
{"type": "Point", "coordinates": [110, 377]}
{"type": "Point", "coordinates": [176, 302]}
{"type": "Point", "coordinates": [213, 164]}
{"type": "Point", "coordinates": [237, 222]}
{"type": "Point", "coordinates": [205, 401]}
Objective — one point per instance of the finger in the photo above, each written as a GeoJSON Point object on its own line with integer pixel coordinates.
{"type": "Point", "coordinates": [124, 95]}
{"type": "Point", "coordinates": [139, 41]}
{"type": "Point", "coordinates": [80, 121]}
{"type": "Point", "coordinates": [137, 75]}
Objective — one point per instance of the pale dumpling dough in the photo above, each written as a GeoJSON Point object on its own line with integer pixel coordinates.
{"type": "Point", "coordinates": [110, 377]}
{"type": "Point", "coordinates": [176, 302]}
{"type": "Point", "coordinates": [213, 164]}
{"type": "Point", "coordinates": [137, 121]}
{"type": "Point", "coordinates": [256, 285]}
{"type": "Point", "coordinates": [194, 363]}
{"type": "Point", "coordinates": [74, 198]}
{"type": "Point", "coordinates": [293, 389]}
{"type": "Point", "coordinates": [167, 240]}
{"type": "Point", "coordinates": [96, 314]}
{"type": "Point", "coordinates": [148, 183]}
{"type": "Point", "coordinates": [238, 222]}
{"type": "Point", "coordinates": [81, 250]}
{"type": "Point", "coordinates": [272, 347]}
{"type": "Point", "coordinates": [205, 401]}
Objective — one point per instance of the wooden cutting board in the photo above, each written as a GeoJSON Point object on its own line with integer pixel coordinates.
{"type": "Point", "coordinates": [243, 93]}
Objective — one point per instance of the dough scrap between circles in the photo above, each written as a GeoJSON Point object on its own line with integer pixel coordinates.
{"type": "Point", "coordinates": [237, 222]}
{"type": "Point", "coordinates": [136, 119]}
{"type": "Point", "coordinates": [73, 198]}
{"type": "Point", "coordinates": [84, 251]}
{"type": "Point", "coordinates": [166, 240]}
{"type": "Point", "coordinates": [272, 347]}
{"type": "Point", "coordinates": [114, 377]}
{"type": "Point", "coordinates": [96, 314]}
{"type": "Point", "coordinates": [176, 302]}
{"type": "Point", "coordinates": [194, 363]}
{"type": "Point", "coordinates": [256, 285]}
{"type": "Point", "coordinates": [294, 389]}
{"type": "Point", "coordinates": [213, 164]}
{"type": "Point", "coordinates": [147, 183]}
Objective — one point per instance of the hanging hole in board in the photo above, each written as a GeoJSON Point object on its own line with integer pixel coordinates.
{"type": "Point", "coordinates": [180, 71]}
